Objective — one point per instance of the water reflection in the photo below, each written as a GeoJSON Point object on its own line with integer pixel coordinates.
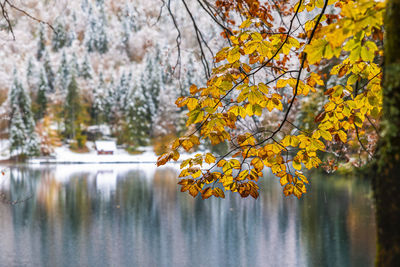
{"type": "Point", "coordinates": [135, 216]}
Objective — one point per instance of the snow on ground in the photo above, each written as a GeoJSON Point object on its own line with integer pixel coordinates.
{"type": "Point", "coordinates": [4, 149]}
{"type": "Point", "coordinates": [64, 155]}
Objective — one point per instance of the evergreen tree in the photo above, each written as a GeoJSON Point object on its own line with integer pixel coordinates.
{"type": "Point", "coordinates": [115, 103]}
{"type": "Point", "coordinates": [23, 138]}
{"type": "Point", "coordinates": [84, 5]}
{"type": "Point", "coordinates": [95, 36]}
{"type": "Point", "coordinates": [90, 33]}
{"type": "Point", "coordinates": [167, 72]}
{"type": "Point", "coordinates": [112, 109]}
{"type": "Point", "coordinates": [71, 35]}
{"type": "Point", "coordinates": [30, 69]}
{"type": "Point", "coordinates": [86, 69]}
{"type": "Point", "coordinates": [72, 110]}
{"type": "Point", "coordinates": [129, 25]}
{"type": "Point", "coordinates": [122, 91]}
{"type": "Point", "coordinates": [99, 2]}
{"type": "Point", "coordinates": [109, 103]}
{"type": "Point", "coordinates": [131, 19]}
{"type": "Point", "coordinates": [125, 34]}
{"type": "Point", "coordinates": [151, 82]}
{"type": "Point", "coordinates": [41, 98]}
{"type": "Point", "coordinates": [49, 71]}
{"type": "Point", "coordinates": [101, 35]}
{"type": "Point", "coordinates": [74, 65]}
{"type": "Point", "coordinates": [63, 75]}
{"type": "Point", "coordinates": [41, 43]}
{"type": "Point", "coordinates": [60, 36]}
{"type": "Point", "coordinates": [167, 113]}
{"type": "Point", "coordinates": [17, 133]}
{"type": "Point", "coordinates": [30, 75]}
{"type": "Point", "coordinates": [98, 101]}
{"type": "Point", "coordinates": [136, 126]}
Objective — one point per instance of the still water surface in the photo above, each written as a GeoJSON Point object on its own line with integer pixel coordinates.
{"type": "Point", "coordinates": [105, 215]}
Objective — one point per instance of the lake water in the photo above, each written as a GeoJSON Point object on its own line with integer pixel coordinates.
{"type": "Point", "coordinates": [135, 215]}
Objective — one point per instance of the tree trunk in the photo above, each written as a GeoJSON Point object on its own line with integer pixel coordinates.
{"type": "Point", "coordinates": [386, 184]}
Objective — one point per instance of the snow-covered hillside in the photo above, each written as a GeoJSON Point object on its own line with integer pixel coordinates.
{"type": "Point", "coordinates": [106, 62]}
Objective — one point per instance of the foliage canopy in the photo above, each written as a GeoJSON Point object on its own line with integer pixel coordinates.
{"type": "Point", "coordinates": [279, 57]}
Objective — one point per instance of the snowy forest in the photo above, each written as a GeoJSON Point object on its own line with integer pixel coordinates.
{"type": "Point", "coordinates": [96, 70]}
{"type": "Point", "coordinates": [288, 110]}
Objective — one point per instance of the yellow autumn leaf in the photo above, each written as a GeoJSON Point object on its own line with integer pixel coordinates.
{"type": "Point", "coordinates": [245, 24]}
{"type": "Point", "coordinates": [209, 158]}
{"type": "Point", "coordinates": [257, 163]}
{"type": "Point", "coordinates": [233, 55]}
{"type": "Point", "coordinates": [281, 83]}
{"type": "Point", "coordinates": [301, 176]}
{"type": "Point", "coordinates": [234, 163]}
{"type": "Point", "coordinates": [194, 190]}
{"type": "Point", "coordinates": [187, 144]}
{"type": "Point", "coordinates": [299, 189]}
{"type": "Point", "coordinates": [315, 50]}
{"type": "Point", "coordinates": [285, 179]}
{"type": "Point", "coordinates": [296, 164]}
{"type": "Point", "coordinates": [244, 36]}
{"type": "Point", "coordinates": [263, 88]}
{"type": "Point", "coordinates": [343, 136]}
{"type": "Point", "coordinates": [206, 193]}
{"type": "Point", "coordinates": [250, 47]}
{"type": "Point", "coordinates": [217, 192]}
{"type": "Point", "coordinates": [325, 134]}
{"type": "Point", "coordinates": [290, 140]}
{"type": "Point", "coordinates": [256, 36]}
{"type": "Point", "coordinates": [195, 116]}
{"type": "Point", "coordinates": [288, 189]}
{"type": "Point", "coordinates": [192, 103]}
{"type": "Point", "coordinates": [329, 106]}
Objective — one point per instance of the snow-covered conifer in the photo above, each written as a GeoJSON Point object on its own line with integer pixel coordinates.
{"type": "Point", "coordinates": [22, 125]}
{"type": "Point", "coordinates": [109, 103]}
{"type": "Point", "coordinates": [31, 75]}
{"type": "Point", "coordinates": [41, 98]}
{"type": "Point", "coordinates": [60, 36]}
{"type": "Point", "coordinates": [72, 109]}
{"type": "Point", "coordinates": [17, 133]}
{"type": "Point", "coordinates": [98, 101]}
{"type": "Point", "coordinates": [122, 92]}
{"type": "Point", "coordinates": [137, 127]}
{"type": "Point", "coordinates": [49, 71]}
{"type": "Point", "coordinates": [86, 70]}
{"type": "Point", "coordinates": [167, 112]}
{"type": "Point", "coordinates": [96, 33]}
{"type": "Point", "coordinates": [90, 33]}
{"type": "Point", "coordinates": [151, 82]}
{"type": "Point", "coordinates": [63, 74]}
{"type": "Point", "coordinates": [84, 5]}
{"type": "Point", "coordinates": [101, 33]}
{"type": "Point", "coordinates": [41, 43]}
{"type": "Point", "coordinates": [74, 65]}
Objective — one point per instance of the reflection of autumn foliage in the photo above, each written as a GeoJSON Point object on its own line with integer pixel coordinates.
{"type": "Point", "coordinates": [145, 216]}
{"type": "Point", "coordinates": [164, 184]}
{"type": "Point", "coordinates": [48, 136]}
{"type": "Point", "coordinates": [48, 193]}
